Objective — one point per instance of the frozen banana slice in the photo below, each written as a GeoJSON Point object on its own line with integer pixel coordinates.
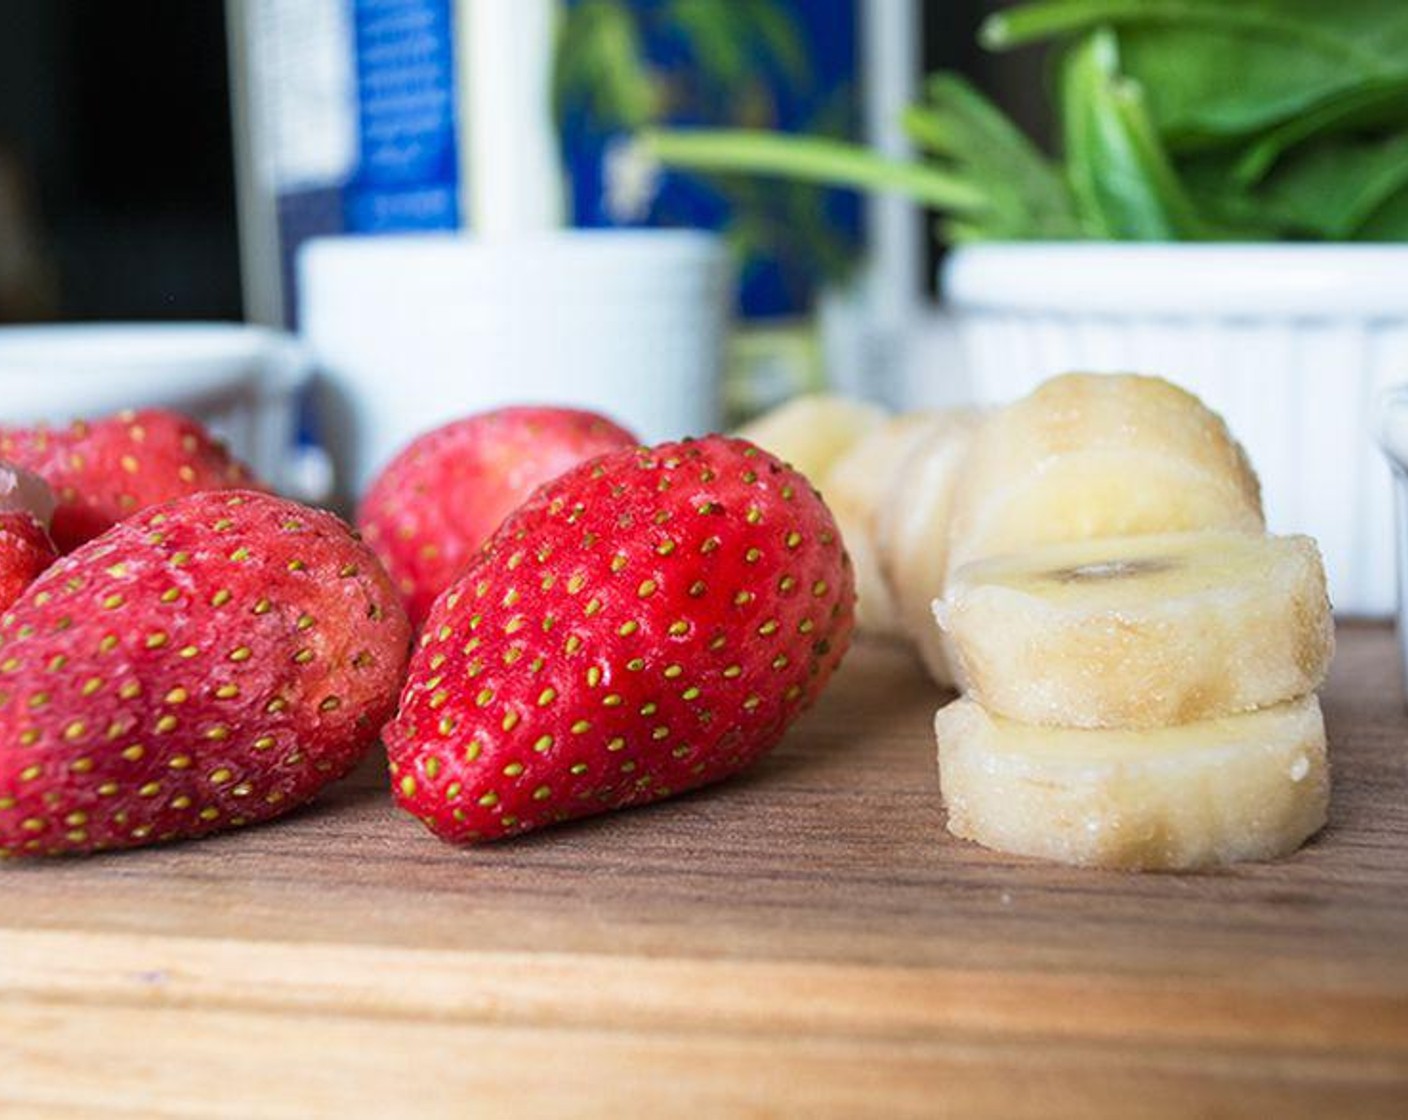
{"type": "Point", "coordinates": [875, 611]}
{"type": "Point", "coordinates": [1093, 455]}
{"type": "Point", "coordinates": [813, 431]}
{"type": "Point", "coordinates": [858, 488]}
{"type": "Point", "coordinates": [912, 533]}
{"type": "Point", "coordinates": [1245, 787]}
{"type": "Point", "coordinates": [1141, 631]}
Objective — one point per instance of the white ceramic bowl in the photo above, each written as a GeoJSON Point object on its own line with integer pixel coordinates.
{"type": "Point", "coordinates": [1291, 343]}
{"type": "Point", "coordinates": [412, 331]}
{"type": "Point", "coordinates": [1393, 438]}
{"type": "Point", "coordinates": [241, 381]}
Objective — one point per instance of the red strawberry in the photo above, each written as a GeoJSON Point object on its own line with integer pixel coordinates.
{"type": "Point", "coordinates": [26, 505]}
{"type": "Point", "coordinates": [439, 500]}
{"type": "Point", "coordinates": [209, 663]}
{"type": "Point", "coordinates": [25, 551]}
{"type": "Point", "coordinates": [649, 622]}
{"type": "Point", "coordinates": [109, 469]}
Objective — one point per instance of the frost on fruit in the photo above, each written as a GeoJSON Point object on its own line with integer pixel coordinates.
{"type": "Point", "coordinates": [648, 623]}
{"type": "Point", "coordinates": [211, 663]}
{"type": "Point", "coordinates": [1139, 658]}
{"type": "Point", "coordinates": [1142, 631]}
{"type": "Point", "coordinates": [1198, 795]}
{"type": "Point", "coordinates": [1089, 455]}
{"type": "Point", "coordinates": [23, 491]}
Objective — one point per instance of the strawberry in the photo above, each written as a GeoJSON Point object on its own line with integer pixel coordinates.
{"type": "Point", "coordinates": [647, 623]}
{"type": "Point", "coordinates": [438, 501]}
{"type": "Point", "coordinates": [105, 470]}
{"type": "Point", "coordinates": [26, 549]}
{"type": "Point", "coordinates": [211, 662]}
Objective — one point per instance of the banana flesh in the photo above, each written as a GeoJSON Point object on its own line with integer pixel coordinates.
{"type": "Point", "coordinates": [860, 486]}
{"type": "Point", "coordinates": [1245, 787]}
{"type": "Point", "coordinates": [1088, 456]}
{"type": "Point", "coordinates": [811, 432]}
{"type": "Point", "coordinates": [912, 532]}
{"type": "Point", "coordinates": [1141, 631]}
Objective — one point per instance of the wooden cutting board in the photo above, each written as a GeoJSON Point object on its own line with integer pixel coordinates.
{"type": "Point", "coordinates": [806, 940]}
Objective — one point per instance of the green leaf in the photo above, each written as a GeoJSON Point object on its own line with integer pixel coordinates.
{"type": "Point", "coordinates": [599, 64]}
{"type": "Point", "coordinates": [1124, 184]}
{"type": "Point", "coordinates": [1028, 197]}
{"type": "Point", "coordinates": [727, 40]}
{"type": "Point", "coordinates": [955, 232]}
{"type": "Point", "coordinates": [1389, 222]}
{"type": "Point", "coordinates": [773, 27]}
{"type": "Point", "coordinates": [1345, 30]}
{"type": "Point", "coordinates": [1215, 70]}
{"type": "Point", "coordinates": [1231, 209]}
{"type": "Point", "coordinates": [990, 174]}
{"type": "Point", "coordinates": [1377, 105]}
{"type": "Point", "coordinates": [789, 222]}
{"type": "Point", "coordinates": [1333, 190]}
{"type": "Point", "coordinates": [1340, 189]}
{"type": "Point", "coordinates": [810, 159]}
{"type": "Point", "coordinates": [720, 52]}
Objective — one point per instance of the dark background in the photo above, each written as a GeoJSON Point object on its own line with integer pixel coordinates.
{"type": "Point", "coordinates": [118, 116]}
{"type": "Point", "coordinates": [115, 123]}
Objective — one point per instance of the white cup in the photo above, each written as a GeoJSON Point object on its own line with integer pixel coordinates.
{"type": "Point", "coordinates": [241, 382]}
{"type": "Point", "coordinates": [410, 332]}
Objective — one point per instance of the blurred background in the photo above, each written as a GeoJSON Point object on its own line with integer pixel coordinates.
{"type": "Point", "coordinates": [117, 190]}
{"type": "Point", "coordinates": [426, 208]}
{"type": "Point", "coordinates": [118, 165]}
{"type": "Point", "coordinates": [168, 161]}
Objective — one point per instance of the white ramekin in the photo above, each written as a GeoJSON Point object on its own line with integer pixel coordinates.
{"type": "Point", "coordinates": [412, 331]}
{"type": "Point", "coordinates": [1291, 343]}
{"type": "Point", "coordinates": [1393, 438]}
{"type": "Point", "coordinates": [241, 381]}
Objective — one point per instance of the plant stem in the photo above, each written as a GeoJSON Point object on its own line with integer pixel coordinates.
{"type": "Point", "coordinates": [810, 159]}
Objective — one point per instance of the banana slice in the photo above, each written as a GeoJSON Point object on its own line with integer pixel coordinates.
{"type": "Point", "coordinates": [1141, 631]}
{"type": "Point", "coordinates": [912, 533]}
{"type": "Point", "coordinates": [811, 432]}
{"type": "Point", "coordinates": [1090, 455]}
{"type": "Point", "coordinates": [858, 488]}
{"type": "Point", "coordinates": [1243, 787]}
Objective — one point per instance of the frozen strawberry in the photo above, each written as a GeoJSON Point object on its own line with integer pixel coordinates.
{"type": "Point", "coordinates": [208, 663]}
{"type": "Point", "coordinates": [105, 470]}
{"type": "Point", "coordinates": [439, 500]}
{"type": "Point", "coordinates": [649, 622]}
{"type": "Point", "coordinates": [26, 504]}
{"type": "Point", "coordinates": [25, 551]}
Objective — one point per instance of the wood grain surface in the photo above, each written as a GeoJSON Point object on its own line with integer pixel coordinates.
{"type": "Point", "coordinates": [806, 940]}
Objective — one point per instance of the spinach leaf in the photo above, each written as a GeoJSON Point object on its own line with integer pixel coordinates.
{"type": "Point", "coordinates": [1376, 105]}
{"type": "Point", "coordinates": [1389, 222]}
{"type": "Point", "coordinates": [1332, 190]}
{"type": "Point", "coordinates": [1338, 190]}
{"type": "Point", "coordinates": [1181, 119]}
{"type": "Point", "coordinates": [1028, 197]}
{"type": "Point", "coordinates": [1220, 70]}
{"type": "Point", "coordinates": [1123, 181]}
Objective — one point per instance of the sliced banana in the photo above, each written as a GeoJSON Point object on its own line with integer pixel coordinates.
{"type": "Point", "coordinates": [811, 432]}
{"type": "Point", "coordinates": [859, 487]}
{"type": "Point", "coordinates": [912, 533]}
{"type": "Point", "coordinates": [1141, 631]}
{"type": "Point", "coordinates": [1091, 455]}
{"type": "Point", "coordinates": [1245, 787]}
